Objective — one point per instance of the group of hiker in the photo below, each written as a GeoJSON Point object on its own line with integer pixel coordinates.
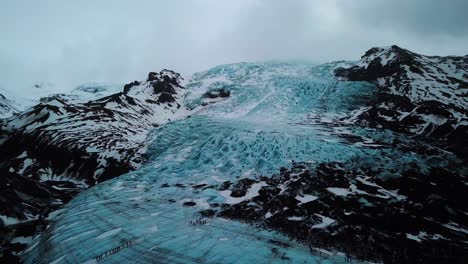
{"type": "Point", "coordinates": [114, 250]}
{"type": "Point", "coordinates": [198, 221]}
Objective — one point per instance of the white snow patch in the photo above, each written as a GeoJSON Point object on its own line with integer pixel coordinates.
{"type": "Point", "coordinates": [251, 192]}
{"type": "Point", "coordinates": [9, 220]}
{"type": "Point", "coordinates": [22, 239]}
{"type": "Point", "coordinates": [306, 198]}
{"type": "Point", "coordinates": [326, 221]}
{"type": "Point", "coordinates": [295, 218]}
{"type": "Point", "coordinates": [413, 237]}
{"type": "Point", "coordinates": [455, 227]}
{"type": "Point", "coordinates": [339, 191]}
{"type": "Point", "coordinates": [23, 155]}
{"type": "Point", "coordinates": [26, 163]}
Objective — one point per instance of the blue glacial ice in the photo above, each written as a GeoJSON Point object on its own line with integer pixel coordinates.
{"type": "Point", "coordinates": [273, 116]}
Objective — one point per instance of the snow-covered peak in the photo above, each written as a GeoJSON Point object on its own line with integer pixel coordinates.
{"type": "Point", "coordinates": [418, 77]}
{"type": "Point", "coordinates": [162, 87]}
{"type": "Point", "coordinates": [418, 94]}
{"type": "Point", "coordinates": [385, 55]}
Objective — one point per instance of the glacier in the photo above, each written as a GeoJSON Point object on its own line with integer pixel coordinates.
{"type": "Point", "coordinates": [276, 114]}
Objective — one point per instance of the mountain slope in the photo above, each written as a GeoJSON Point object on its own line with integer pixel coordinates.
{"type": "Point", "coordinates": [422, 95]}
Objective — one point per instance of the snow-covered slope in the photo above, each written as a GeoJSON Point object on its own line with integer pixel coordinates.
{"type": "Point", "coordinates": [418, 77]}
{"type": "Point", "coordinates": [7, 106]}
{"type": "Point", "coordinates": [18, 100]}
{"type": "Point", "coordinates": [423, 95]}
{"type": "Point", "coordinates": [63, 145]}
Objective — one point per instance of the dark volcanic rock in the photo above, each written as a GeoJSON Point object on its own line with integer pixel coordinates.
{"type": "Point", "coordinates": [217, 93]}
{"type": "Point", "coordinates": [128, 86]}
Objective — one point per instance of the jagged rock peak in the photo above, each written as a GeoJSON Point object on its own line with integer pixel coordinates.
{"type": "Point", "coordinates": [390, 49]}
{"type": "Point", "coordinates": [164, 84]}
{"type": "Point", "coordinates": [420, 77]}
{"type": "Point", "coordinates": [166, 75]}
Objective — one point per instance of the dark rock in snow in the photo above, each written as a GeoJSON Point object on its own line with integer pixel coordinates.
{"type": "Point", "coordinates": [412, 218]}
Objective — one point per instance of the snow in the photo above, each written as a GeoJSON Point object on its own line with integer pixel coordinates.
{"type": "Point", "coordinates": [326, 221]}
{"type": "Point", "coordinates": [306, 198]}
{"type": "Point", "coordinates": [251, 192]}
{"type": "Point", "coordinates": [23, 155]}
{"type": "Point", "coordinates": [22, 239]}
{"type": "Point", "coordinates": [26, 163]}
{"type": "Point", "coordinates": [339, 191]}
{"type": "Point", "coordinates": [423, 236]}
{"type": "Point", "coordinates": [455, 227]}
{"type": "Point", "coordinates": [295, 218]}
{"type": "Point", "coordinates": [413, 237]}
{"type": "Point", "coordinates": [9, 220]}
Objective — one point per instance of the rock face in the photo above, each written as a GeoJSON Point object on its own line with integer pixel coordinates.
{"type": "Point", "coordinates": [422, 95]}
{"type": "Point", "coordinates": [57, 148]}
{"type": "Point", "coordinates": [416, 218]}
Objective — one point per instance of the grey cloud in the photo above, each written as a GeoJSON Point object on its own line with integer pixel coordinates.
{"type": "Point", "coordinates": [415, 16]}
{"type": "Point", "coordinates": [70, 42]}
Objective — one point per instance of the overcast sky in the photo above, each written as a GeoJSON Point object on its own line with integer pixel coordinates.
{"type": "Point", "coordinates": [71, 42]}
